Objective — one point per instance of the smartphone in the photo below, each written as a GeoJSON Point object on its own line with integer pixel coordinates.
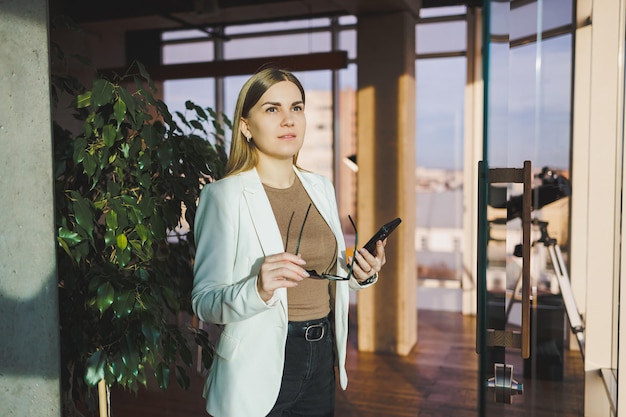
{"type": "Point", "coordinates": [381, 234]}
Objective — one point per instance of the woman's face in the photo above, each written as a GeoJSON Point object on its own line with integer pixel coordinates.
{"type": "Point", "coordinates": [276, 122]}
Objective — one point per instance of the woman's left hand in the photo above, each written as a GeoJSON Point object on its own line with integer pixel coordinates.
{"type": "Point", "coordinates": [367, 265]}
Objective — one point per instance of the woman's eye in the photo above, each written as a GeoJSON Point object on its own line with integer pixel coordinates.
{"type": "Point", "coordinates": [298, 108]}
{"type": "Point", "coordinates": [271, 109]}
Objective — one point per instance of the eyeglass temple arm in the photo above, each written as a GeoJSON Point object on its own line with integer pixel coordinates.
{"type": "Point", "coordinates": [302, 228]}
{"type": "Point", "coordinates": [356, 243]}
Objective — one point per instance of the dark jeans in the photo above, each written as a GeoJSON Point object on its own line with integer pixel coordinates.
{"type": "Point", "coordinates": [308, 385]}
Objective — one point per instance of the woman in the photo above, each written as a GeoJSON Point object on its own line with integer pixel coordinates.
{"type": "Point", "coordinates": [271, 267]}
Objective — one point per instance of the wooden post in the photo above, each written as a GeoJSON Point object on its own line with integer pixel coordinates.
{"type": "Point", "coordinates": [387, 312]}
{"type": "Point", "coordinates": [103, 399]}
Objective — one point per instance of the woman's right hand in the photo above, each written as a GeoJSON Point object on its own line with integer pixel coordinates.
{"type": "Point", "coordinates": [283, 270]}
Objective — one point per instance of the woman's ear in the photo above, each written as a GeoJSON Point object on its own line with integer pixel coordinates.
{"type": "Point", "coordinates": [243, 128]}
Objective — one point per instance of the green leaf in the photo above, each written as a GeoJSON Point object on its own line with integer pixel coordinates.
{"type": "Point", "coordinates": [81, 251]}
{"type": "Point", "coordinates": [143, 275]}
{"type": "Point", "coordinates": [119, 111]}
{"type": "Point", "coordinates": [111, 220]}
{"type": "Point", "coordinates": [151, 136]}
{"type": "Point", "coordinates": [144, 74]}
{"type": "Point", "coordinates": [150, 332]}
{"type": "Point", "coordinates": [165, 156]}
{"type": "Point", "coordinates": [128, 100]}
{"type": "Point", "coordinates": [68, 236]}
{"type": "Point", "coordinates": [83, 100]}
{"type": "Point", "coordinates": [102, 92]}
{"type": "Point", "coordinates": [160, 127]}
{"type": "Point", "coordinates": [109, 378]}
{"type": "Point", "coordinates": [144, 161]}
{"type": "Point", "coordinates": [83, 213]}
{"type": "Point", "coordinates": [87, 130]}
{"type": "Point", "coordinates": [162, 373]}
{"type": "Point", "coordinates": [149, 356]}
{"type": "Point", "coordinates": [89, 164]}
{"type": "Point", "coordinates": [200, 112]}
{"type": "Point", "coordinates": [167, 116]}
{"type": "Point", "coordinates": [122, 241]}
{"type": "Point", "coordinates": [135, 147]}
{"type": "Point", "coordinates": [182, 119]}
{"type": "Point", "coordinates": [146, 205]}
{"type": "Point", "coordinates": [138, 249]}
{"type": "Point", "coordinates": [98, 121]}
{"type": "Point", "coordinates": [141, 376]}
{"type": "Point", "coordinates": [123, 257]}
{"type": "Point", "coordinates": [158, 227]}
{"type": "Point", "coordinates": [108, 135]}
{"type": "Point", "coordinates": [119, 369]}
{"type": "Point", "coordinates": [130, 354]}
{"type": "Point", "coordinates": [129, 200]}
{"type": "Point", "coordinates": [123, 304]}
{"type": "Point", "coordinates": [109, 237]}
{"type": "Point", "coordinates": [65, 247]}
{"type": "Point", "coordinates": [113, 188]}
{"type": "Point", "coordinates": [94, 370]}
{"type": "Point", "coordinates": [145, 180]}
{"type": "Point", "coordinates": [196, 124]}
{"type": "Point", "coordinates": [122, 219]}
{"type": "Point", "coordinates": [142, 232]}
{"type": "Point", "coordinates": [181, 377]}
{"type": "Point", "coordinates": [125, 148]}
{"type": "Point", "coordinates": [136, 215]}
{"type": "Point", "coordinates": [105, 296]}
{"type": "Point", "coordinates": [213, 113]}
{"type": "Point", "coordinates": [79, 149]}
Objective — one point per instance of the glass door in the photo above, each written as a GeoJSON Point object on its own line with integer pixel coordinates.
{"type": "Point", "coordinates": [527, 319]}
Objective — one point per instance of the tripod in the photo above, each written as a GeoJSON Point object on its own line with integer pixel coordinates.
{"type": "Point", "coordinates": [556, 258]}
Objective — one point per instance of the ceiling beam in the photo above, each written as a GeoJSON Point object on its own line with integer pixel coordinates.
{"type": "Point", "coordinates": [306, 62]}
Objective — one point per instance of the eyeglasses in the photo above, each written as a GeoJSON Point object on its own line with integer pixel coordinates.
{"type": "Point", "coordinates": [312, 273]}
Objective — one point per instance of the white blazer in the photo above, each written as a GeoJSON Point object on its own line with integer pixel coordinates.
{"type": "Point", "coordinates": [235, 230]}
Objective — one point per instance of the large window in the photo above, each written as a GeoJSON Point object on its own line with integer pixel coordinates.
{"type": "Point", "coordinates": [441, 68]}
{"type": "Point", "coordinates": [183, 47]}
{"type": "Point", "coordinates": [529, 119]}
{"type": "Point", "coordinates": [330, 140]}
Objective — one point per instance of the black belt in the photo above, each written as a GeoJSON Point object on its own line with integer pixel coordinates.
{"type": "Point", "coordinates": [312, 330]}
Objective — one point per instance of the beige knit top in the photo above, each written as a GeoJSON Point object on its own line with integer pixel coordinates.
{"type": "Point", "coordinates": [318, 247]}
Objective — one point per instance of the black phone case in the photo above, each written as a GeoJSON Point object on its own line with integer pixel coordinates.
{"type": "Point", "coordinates": [382, 234]}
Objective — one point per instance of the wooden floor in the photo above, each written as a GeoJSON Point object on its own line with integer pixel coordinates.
{"type": "Point", "coordinates": [437, 379]}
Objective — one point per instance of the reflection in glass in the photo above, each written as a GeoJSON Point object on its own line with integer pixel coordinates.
{"type": "Point", "coordinates": [528, 118]}
{"type": "Point", "coordinates": [554, 14]}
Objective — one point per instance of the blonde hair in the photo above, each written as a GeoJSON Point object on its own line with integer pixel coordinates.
{"type": "Point", "coordinates": [243, 154]}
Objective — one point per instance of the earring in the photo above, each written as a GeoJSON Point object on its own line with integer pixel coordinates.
{"type": "Point", "coordinates": [248, 138]}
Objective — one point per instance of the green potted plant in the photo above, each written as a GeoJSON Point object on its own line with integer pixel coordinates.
{"type": "Point", "coordinates": [126, 190]}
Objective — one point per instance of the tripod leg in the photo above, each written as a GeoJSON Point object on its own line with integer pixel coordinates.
{"type": "Point", "coordinates": [514, 297]}
{"type": "Point", "coordinates": [568, 296]}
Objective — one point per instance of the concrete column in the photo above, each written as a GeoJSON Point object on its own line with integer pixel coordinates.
{"type": "Point", "coordinates": [387, 312]}
{"type": "Point", "coordinates": [29, 324]}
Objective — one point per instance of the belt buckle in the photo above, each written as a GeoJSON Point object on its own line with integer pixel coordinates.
{"type": "Point", "coordinates": [309, 337]}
